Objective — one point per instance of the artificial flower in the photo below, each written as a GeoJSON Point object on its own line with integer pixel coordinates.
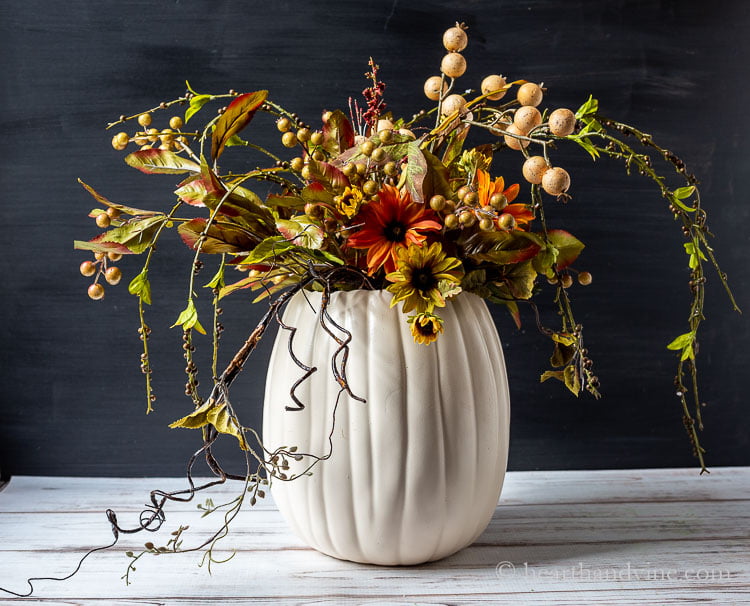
{"type": "Point", "coordinates": [349, 202]}
{"type": "Point", "coordinates": [486, 188]}
{"type": "Point", "coordinates": [424, 278]}
{"type": "Point", "coordinates": [391, 223]}
{"type": "Point", "coordinates": [425, 327]}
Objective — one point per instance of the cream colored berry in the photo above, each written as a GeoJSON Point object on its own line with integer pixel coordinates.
{"type": "Point", "coordinates": [585, 278]}
{"type": "Point", "coordinates": [175, 122]}
{"type": "Point", "coordinates": [530, 94]}
{"type": "Point", "coordinates": [384, 124]}
{"type": "Point", "coordinates": [113, 275]}
{"type": "Point", "coordinates": [555, 181]}
{"type": "Point", "coordinates": [512, 142]}
{"type": "Point", "coordinates": [526, 118]}
{"type": "Point", "coordinates": [144, 119]}
{"type": "Point", "coordinates": [432, 87]}
{"type": "Point", "coordinates": [455, 39]}
{"type": "Point", "coordinates": [453, 65]}
{"type": "Point", "coordinates": [534, 169]}
{"type": "Point", "coordinates": [493, 83]}
{"type": "Point", "coordinates": [87, 269]}
{"type": "Point", "coordinates": [452, 103]}
{"type": "Point", "coordinates": [96, 291]}
{"type": "Point", "coordinates": [562, 122]}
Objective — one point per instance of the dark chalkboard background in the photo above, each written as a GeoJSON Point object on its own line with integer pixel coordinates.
{"type": "Point", "coordinates": [71, 389]}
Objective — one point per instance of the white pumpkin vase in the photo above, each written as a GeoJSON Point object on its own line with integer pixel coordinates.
{"type": "Point", "coordinates": [415, 471]}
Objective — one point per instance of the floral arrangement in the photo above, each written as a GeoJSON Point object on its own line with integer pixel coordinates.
{"type": "Point", "coordinates": [365, 199]}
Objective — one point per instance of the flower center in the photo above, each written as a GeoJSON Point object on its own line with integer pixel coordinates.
{"type": "Point", "coordinates": [395, 231]}
{"type": "Point", "coordinates": [422, 279]}
{"type": "Point", "coordinates": [427, 329]}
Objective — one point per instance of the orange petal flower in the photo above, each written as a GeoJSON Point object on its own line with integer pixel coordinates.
{"type": "Point", "coordinates": [486, 188]}
{"type": "Point", "coordinates": [394, 221]}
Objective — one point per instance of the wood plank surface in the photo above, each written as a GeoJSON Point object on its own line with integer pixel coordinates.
{"type": "Point", "coordinates": [599, 537]}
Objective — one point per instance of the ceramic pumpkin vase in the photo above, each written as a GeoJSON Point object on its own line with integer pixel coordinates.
{"type": "Point", "coordinates": [415, 472]}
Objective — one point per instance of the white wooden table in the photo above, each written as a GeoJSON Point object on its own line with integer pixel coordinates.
{"type": "Point", "coordinates": [573, 537]}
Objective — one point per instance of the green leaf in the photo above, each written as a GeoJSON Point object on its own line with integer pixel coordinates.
{"type": "Point", "coordinates": [237, 116]}
{"type": "Point", "coordinates": [235, 140]}
{"type": "Point", "coordinates": [218, 280]}
{"type": "Point", "coordinates": [330, 257]}
{"type": "Point", "coordinates": [196, 103]}
{"type": "Point", "coordinates": [591, 106]}
{"type": "Point", "coordinates": [684, 192]}
{"type": "Point", "coordinates": [189, 318]}
{"type": "Point", "coordinates": [160, 161]}
{"type": "Point", "coordinates": [295, 202]}
{"type": "Point", "coordinates": [568, 247]}
{"type": "Point", "coordinates": [136, 235]}
{"type": "Point", "coordinates": [684, 343]}
{"type": "Point", "coordinates": [268, 249]}
{"type": "Point", "coordinates": [301, 231]}
{"type": "Point", "coordinates": [674, 200]}
{"type": "Point", "coordinates": [141, 287]}
{"type": "Point", "coordinates": [586, 144]}
{"type": "Point", "coordinates": [518, 282]}
{"type": "Point", "coordinates": [190, 88]}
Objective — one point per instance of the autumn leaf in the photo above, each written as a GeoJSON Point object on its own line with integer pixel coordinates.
{"type": "Point", "coordinates": [237, 116]}
{"type": "Point", "coordinates": [128, 210]}
{"type": "Point", "coordinates": [160, 161]}
{"type": "Point", "coordinates": [218, 416]}
{"type": "Point", "coordinates": [221, 237]}
{"type": "Point", "coordinates": [567, 245]}
{"type": "Point", "coordinates": [338, 134]}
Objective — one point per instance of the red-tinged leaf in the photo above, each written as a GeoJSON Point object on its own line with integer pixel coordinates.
{"type": "Point", "coordinates": [192, 191]}
{"type": "Point", "coordinates": [239, 285]}
{"type": "Point", "coordinates": [136, 234]}
{"type": "Point", "coordinates": [128, 210]}
{"type": "Point", "coordinates": [328, 176]}
{"type": "Point", "coordinates": [161, 161]}
{"type": "Point", "coordinates": [237, 116]}
{"type": "Point", "coordinates": [567, 245]}
{"type": "Point", "coordinates": [415, 172]}
{"type": "Point", "coordinates": [222, 237]}
{"type": "Point", "coordinates": [315, 193]}
{"type": "Point", "coordinates": [96, 245]}
{"type": "Point", "coordinates": [338, 134]}
{"type": "Point", "coordinates": [514, 313]}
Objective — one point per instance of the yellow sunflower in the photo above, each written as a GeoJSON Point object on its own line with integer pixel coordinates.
{"type": "Point", "coordinates": [424, 277]}
{"type": "Point", "coordinates": [425, 327]}
{"type": "Point", "coordinates": [348, 203]}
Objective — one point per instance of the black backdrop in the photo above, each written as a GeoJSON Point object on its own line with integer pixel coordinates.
{"type": "Point", "coordinates": [72, 398]}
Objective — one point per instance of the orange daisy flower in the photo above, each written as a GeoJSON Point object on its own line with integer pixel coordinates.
{"type": "Point", "coordinates": [392, 222]}
{"type": "Point", "coordinates": [486, 188]}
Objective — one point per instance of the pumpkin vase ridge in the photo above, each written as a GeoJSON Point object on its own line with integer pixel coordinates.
{"type": "Point", "coordinates": [415, 471]}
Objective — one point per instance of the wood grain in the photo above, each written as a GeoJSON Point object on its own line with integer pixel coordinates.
{"type": "Point", "coordinates": [596, 537]}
